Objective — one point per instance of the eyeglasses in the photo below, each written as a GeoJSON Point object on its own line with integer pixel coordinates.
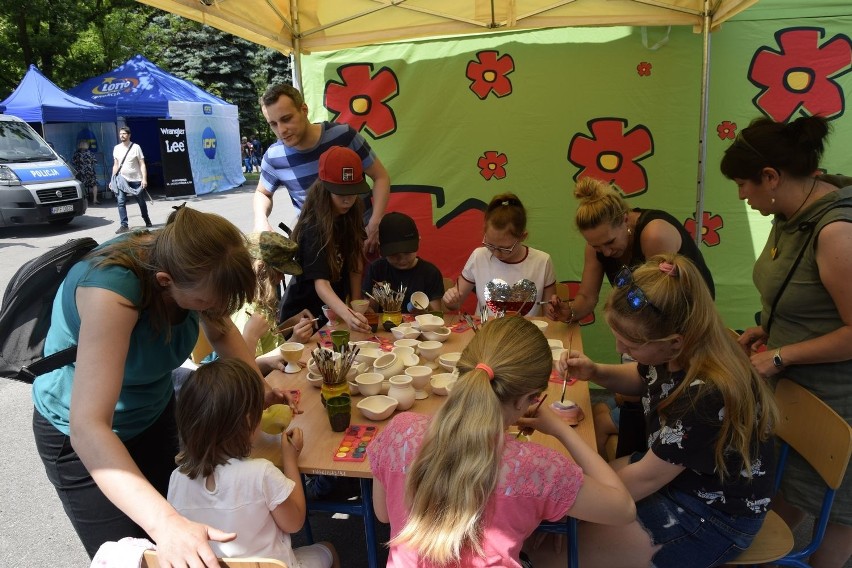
{"type": "Point", "coordinates": [504, 250]}
{"type": "Point", "coordinates": [636, 297]}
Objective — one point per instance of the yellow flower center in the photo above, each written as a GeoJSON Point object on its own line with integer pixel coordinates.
{"type": "Point", "coordinates": [492, 166]}
{"type": "Point", "coordinates": [360, 105]}
{"type": "Point", "coordinates": [608, 161]}
{"type": "Point", "coordinates": [489, 76]}
{"type": "Point", "coordinates": [798, 80]}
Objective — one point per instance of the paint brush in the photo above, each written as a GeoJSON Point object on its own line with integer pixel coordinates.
{"type": "Point", "coordinates": [283, 330]}
{"type": "Point", "coordinates": [528, 431]}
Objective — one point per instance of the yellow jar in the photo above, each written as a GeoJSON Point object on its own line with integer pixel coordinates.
{"type": "Point", "coordinates": [394, 317]}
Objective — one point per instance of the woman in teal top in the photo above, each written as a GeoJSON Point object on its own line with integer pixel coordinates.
{"type": "Point", "coordinates": [104, 426]}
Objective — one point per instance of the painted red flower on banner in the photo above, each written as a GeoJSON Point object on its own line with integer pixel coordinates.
{"type": "Point", "coordinates": [644, 69]}
{"type": "Point", "coordinates": [612, 155]}
{"type": "Point", "coordinates": [492, 165]}
{"type": "Point", "coordinates": [800, 77]}
{"type": "Point", "coordinates": [573, 289]}
{"type": "Point", "coordinates": [727, 129]}
{"type": "Point", "coordinates": [361, 99]}
{"type": "Point", "coordinates": [489, 74]}
{"type": "Point", "coordinates": [710, 225]}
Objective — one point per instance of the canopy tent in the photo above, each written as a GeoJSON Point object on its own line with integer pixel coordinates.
{"type": "Point", "coordinates": [38, 99]}
{"type": "Point", "coordinates": [140, 92]}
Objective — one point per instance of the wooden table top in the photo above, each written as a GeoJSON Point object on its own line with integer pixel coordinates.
{"type": "Point", "coordinates": [321, 442]}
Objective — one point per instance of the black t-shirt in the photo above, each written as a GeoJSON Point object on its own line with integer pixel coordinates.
{"type": "Point", "coordinates": [688, 248]}
{"type": "Point", "coordinates": [301, 293]}
{"type": "Point", "coordinates": [423, 277]}
{"type": "Point", "coordinates": [688, 437]}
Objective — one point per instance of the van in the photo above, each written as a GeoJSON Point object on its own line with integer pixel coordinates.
{"type": "Point", "coordinates": [36, 185]}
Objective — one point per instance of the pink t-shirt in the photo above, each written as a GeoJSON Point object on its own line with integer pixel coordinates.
{"type": "Point", "coordinates": [535, 483]}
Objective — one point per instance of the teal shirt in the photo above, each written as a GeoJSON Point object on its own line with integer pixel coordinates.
{"type": "Point", "coordinates": [147, 385]}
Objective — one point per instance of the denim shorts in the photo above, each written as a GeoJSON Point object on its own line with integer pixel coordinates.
{"type": "Point", "coordinates": [691, 532]}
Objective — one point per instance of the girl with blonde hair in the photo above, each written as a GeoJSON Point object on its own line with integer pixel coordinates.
{"type": "Point", "coordinates": [104, 425]}
{"type": "Point", "coordinates": [703, 487]}
{"type": "Point", "coordinates": [458, 490]}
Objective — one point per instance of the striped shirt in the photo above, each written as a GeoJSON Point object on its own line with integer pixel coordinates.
{"type": "Point", "coordinates": [296, 170]}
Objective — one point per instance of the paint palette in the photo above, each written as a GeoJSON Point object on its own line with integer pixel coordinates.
{"type": "Point", "coordinates": [353, 448]}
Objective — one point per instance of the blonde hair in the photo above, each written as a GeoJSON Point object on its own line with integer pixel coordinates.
{"type": "Point", "coordinates": [600, 203]}
{"type": "Point", "coordinates": [266, 290]}
{"type": "Point", "coordinates": [709, 354]}
{"type": "Point", "coordinates": [197, 250]}
{"type": "Point", "coordinates": [456, 470]}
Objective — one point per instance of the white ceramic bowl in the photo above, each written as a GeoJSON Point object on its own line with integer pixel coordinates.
{"type": "Point", "coordinates": [420, 375]}
{"type": "Point", "coordinates": [369, 383]}
{"type": "Point", "coordinates": [410, 360]}
{"type": "Point", "coordinates": [407, 343]}
{"type": "Point", "coordinates": [407, 333]}
{"type": "Point", "coordinates": [440, 333]}
{"type": "Point", "coordinates": [429, 349]}
{"type": "Point", "coordinates": [555, 343]}
{"type": "Point", "coordinates": [449, 360]}
{"type": "Point", "coordinates": [360, 306]}
{"type": "Point", "coordinates": [429, 322]}
{"type": "Point", "coordinates": [442, 383]}
{"type": "Point", "coordinates": [541, 324]}
{"type": "Point", "coordinates": [377, 407]}
{"type": "Point", "coordinates": [420, 301]}
{"type": "Point", "coordinates": [388, 365]}
{"type": "Point", "coordinates": [368, 354]}
{"type": "Point", "coordinates": [353, 388]}
{"type": "Point", "coordinates": [314, 380]}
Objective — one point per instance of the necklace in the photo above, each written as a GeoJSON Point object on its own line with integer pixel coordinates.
{"type": "Point", "coordinates": [774, 250]}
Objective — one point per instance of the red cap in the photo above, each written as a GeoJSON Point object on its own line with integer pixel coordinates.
{"type": "Point", "coordinates": [341, 171]}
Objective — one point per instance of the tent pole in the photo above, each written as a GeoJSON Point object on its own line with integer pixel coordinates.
{"type": "Point", "coordinates": [296, 55]}
{"type": "Point", "coordinates": [702, 125]}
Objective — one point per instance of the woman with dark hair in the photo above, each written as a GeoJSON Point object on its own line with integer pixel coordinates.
{"type": "Point", "coordinates": [104, 425]}
{"type": "Point", "coordinates": [803, 276]}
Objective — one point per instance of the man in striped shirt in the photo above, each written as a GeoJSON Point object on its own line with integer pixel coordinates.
{"type": "Point", "coordinates": [293, 161]}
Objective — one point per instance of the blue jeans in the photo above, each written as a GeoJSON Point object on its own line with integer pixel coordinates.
{"type": "Point", "coordinates": [140, 199]}
{"type": "Point", "coordinates": [691, 532]}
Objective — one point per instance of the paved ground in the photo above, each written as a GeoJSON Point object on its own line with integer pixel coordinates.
{"type": "Point", "coordinates": [35, 531]}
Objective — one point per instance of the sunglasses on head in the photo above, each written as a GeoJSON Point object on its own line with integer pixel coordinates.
{"type": "Point", "coordinates": [636, 297]}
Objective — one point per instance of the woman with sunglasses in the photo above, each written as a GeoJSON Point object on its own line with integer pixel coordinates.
{"type": "Point", "coordinates": [703, 487]}
{"type": "Point", "coordinates": [618, 236]}
{"type": "Point", "coordinates": [807, 322]}
{"type": "Point", "coordinates": [503, 256]}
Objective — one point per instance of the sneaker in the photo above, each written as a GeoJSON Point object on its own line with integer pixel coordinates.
{"type": "Point", "coordinates": [149, 224]}
{"type": "Point", "coordinates": [122, 229]}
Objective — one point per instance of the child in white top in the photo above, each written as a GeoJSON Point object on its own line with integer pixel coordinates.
{"type": "Point", "coordinates": [503, 256]}
{"type": "Point", "coordinates": [218, 417]}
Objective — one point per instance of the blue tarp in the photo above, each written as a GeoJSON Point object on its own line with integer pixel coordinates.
{"type": "Point", "coordinates": [139, 88]}
{"type": "Point", "coordinates": [38, 99]}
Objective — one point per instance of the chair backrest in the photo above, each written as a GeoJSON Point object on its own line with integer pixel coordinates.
{"type": "Point", "coordinates": [814, 430]}
{"type": "Point", "coordinates": [149, 560]}
{"type": "Point", "coordinates": [202, 348]}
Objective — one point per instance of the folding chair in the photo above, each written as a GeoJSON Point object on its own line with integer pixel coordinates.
{"type": "Point", "coordinates": [824, 439]}
{"type": "Point", "coordinates": [149, 560]}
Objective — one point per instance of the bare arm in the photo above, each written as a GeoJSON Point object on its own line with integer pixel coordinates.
{"type": "Point", "coordinates": [835, 272]}
{"type": "Point", "coordinates": [602, 498]}
{"type": "Point", "coordinates": [290, 515]}
{"type": "Point", "coordinates": [659, 237]}
{"type": "Point", "coordinates": [623, 378]}
{"type": "Point", "coordinates": [144, 169]}
{"type": "Point", "coordinates": [262, 206]}
{"type": "Point", "coordinates": [380, 505]}
{"type": "Point", "coordinates": [381, 194]}
{"type": "Point", "coordinates": [108, 319]}
{"type": "Point", "coordinates": [327, 294]}
{"type": "Point", "coordinates": [647, 476]}
{"type": "Point", "coordinates": [586, 299]}
{"type": "Point", "coordinates": [455, 296]}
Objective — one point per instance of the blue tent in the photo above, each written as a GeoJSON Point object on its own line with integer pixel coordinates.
{"type": "Point", "coordinates": [139, 88]}
{"type": "Point", "coordinates": [38, 99]}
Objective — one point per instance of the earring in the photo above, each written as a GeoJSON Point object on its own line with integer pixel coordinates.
{"type": "Point", "coordinates": [772, 201]}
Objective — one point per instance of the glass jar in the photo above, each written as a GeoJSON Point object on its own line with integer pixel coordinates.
{"type": "Point", "coordinates": [328, 391]}
{"type": "Point", "coordinates": [393, 317]}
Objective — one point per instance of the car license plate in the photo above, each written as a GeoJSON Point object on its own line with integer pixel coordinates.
{"type": "Point", "coordinates": [61, 209]}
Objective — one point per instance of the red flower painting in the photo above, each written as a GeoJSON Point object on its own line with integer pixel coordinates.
{"type": "Point", "coordinates": [710, 225]}
{"type": "Point", "coordinates": [613, 155]}
{"type": "Point", "coordinates": [492, 165]}
{"type": "Point", "coordinates": [489, 74]}
{"type": "Point", "coordinates": [726, 130]}
{"type": "Point", "coordinates": [800, 76]}
{"type": "Point", "coordinates": [644, 69]}
{"type": "Point", "coordinates": [361, 99]}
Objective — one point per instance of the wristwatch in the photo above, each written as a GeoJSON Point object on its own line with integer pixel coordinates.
{"type": "Point", "coordinates": [776, 358]}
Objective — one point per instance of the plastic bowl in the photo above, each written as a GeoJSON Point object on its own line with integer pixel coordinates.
{"type": "Point", "coordinates": [440, 333]}
{"type": "Point", "coordinates": [377, 407]}
{"type": "Point", "coordinates": [369, 383]}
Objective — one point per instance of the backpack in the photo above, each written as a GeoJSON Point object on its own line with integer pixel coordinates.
{"type": "Point", "coordinates": [26, 310]}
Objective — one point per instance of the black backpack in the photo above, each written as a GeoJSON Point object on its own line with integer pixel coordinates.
{"type": "Point", "coordinates": [26, 310]}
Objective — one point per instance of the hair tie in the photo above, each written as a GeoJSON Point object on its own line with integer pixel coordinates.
{"type": "Point", "coordinates": [488, 370]}
{"type": "Point", "coordinates": [668, 269]}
